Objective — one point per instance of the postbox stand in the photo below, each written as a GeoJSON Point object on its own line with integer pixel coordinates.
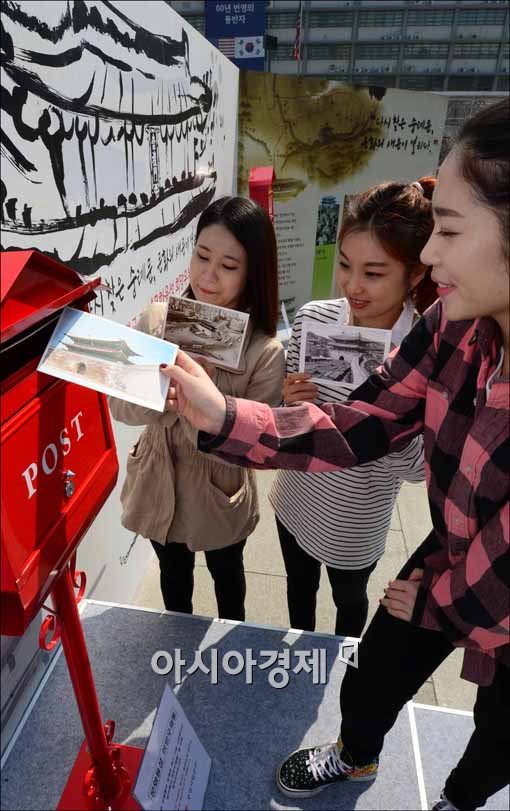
{"type": "Point", "coordinates": [103, 773]}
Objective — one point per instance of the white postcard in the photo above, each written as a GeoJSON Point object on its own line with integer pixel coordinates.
{"type": "Point", "coordinates": [175, 767]}
{"type": "Point", "coordinates": [336, 354]}
{"type": "Point", "coordinates": [109, 357]}
{"type": "Point", "coordinates": [216, 334]}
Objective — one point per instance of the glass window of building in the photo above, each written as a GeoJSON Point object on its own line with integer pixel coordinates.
{"type": "Point", "coordinates": [282, 52]}
{"type": "Point", "coordinates": [481, 16]}
{"type": "Point", "coordinates": [374, 81]}
{"type": "Point", "coordinates": [432, 17]}
{"type": "Point", "coordinates": [505, 56]}
{"type": "Point", "coordinates": [375, 19]}
{"type": "Point", "coordinates": [328, 51]}
{"type": "Point", "coordinates": [427, 51]}
{"type": "Point", "coordinates": [197, 21]}
{"type": "Point", "coordinates": [422, 82]}
{"type": "Point", "coordinates": [330, 19]}
{"type": "Point", "coordinates": [377, 51]}
{"type": "Point", "coordinates": [476, 50]}
{"type": "Point", "coordinates": [283, 20]}
{"type": "Point", "coordinates": [470, 83]}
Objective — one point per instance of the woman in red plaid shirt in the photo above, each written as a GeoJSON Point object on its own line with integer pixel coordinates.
{"type": "Point", "coordinates": [450, 381]}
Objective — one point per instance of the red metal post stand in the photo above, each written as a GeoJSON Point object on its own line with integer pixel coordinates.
{"type": "Point", "coordinates": [103, 773]}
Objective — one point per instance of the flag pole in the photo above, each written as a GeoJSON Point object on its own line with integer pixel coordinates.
{"type": "Point", "coordinates": [298, 41]}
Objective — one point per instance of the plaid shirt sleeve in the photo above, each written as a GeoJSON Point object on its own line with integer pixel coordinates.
{"type": "Point", "coordinates": [381, 416]}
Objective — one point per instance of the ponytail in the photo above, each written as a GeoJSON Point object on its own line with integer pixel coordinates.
{"type": "Point", "coordinates": [425, 292]}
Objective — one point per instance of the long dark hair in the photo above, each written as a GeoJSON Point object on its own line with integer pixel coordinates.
{"type": "Point", "coordinates": [250, 224]}
{"type": "Point", "coordinates": [483, 146]}
{"type": "Point", "coordinates": [399, 215]}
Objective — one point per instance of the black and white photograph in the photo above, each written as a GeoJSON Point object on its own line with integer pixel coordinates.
{"type": "Point", "coordinates": [327, 221]}
{"type": "Point", "coordinates": [100, 354]}
{"type": "Point", "coordinates": [343, 355]}
{"type": "Point", "coordinates": [216, 334]}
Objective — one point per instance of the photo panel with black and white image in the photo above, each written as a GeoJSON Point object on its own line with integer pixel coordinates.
{"type": "Point", "coordinates": [216, 334]}
{"type": "Point", "coordinates": [342, 355]}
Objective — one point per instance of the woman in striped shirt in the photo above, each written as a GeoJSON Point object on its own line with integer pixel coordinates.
{"type": "Point", "coordinates": [341, 519]}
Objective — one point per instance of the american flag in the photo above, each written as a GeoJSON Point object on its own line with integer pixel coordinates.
{"type": "Point", "coordinates": [227, 46]}
{"type": "Point", "coordinates": [299, 22]}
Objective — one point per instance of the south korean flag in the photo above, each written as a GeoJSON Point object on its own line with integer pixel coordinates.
{"type": "Point", "coordinates": [249, 47]}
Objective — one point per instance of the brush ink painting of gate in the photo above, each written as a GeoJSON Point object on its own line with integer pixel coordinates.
{"type": "Point", "coordinates": [118, 129]}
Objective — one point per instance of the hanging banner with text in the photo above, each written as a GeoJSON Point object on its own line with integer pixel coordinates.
{"type": "Point", "coordinates": [237, 30]}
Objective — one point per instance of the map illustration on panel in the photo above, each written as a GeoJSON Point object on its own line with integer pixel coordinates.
{"type": "Point", "coordinates": [310, 130]}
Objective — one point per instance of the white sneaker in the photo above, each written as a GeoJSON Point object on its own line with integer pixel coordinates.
{"type": "Point", "coordinates": [308, 771]}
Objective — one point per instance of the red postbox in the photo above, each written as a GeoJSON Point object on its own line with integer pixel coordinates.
{"type": "Point", "coordinates": [260, 184]}
{"type": "Point", "coordinates": [57, 448]}
{"type": "Point", "coordinates": [59, 464]}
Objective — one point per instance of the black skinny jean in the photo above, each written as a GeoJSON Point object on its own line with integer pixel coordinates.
{"type": "Point", "coordinates": [394, 659]}
{"type": "Point", "coordinates": [349, 588]}
{"type": "Point", "coordinates": [176, 565]}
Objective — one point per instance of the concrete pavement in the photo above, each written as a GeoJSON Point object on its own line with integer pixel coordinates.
{"type": "Point", "coordinates": [266, 588]}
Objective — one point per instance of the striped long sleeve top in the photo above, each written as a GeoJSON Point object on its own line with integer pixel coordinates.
{"type": "Point", "coordinates": [444, 381]}
{"type": "Point", "coordinates": [342, 518]}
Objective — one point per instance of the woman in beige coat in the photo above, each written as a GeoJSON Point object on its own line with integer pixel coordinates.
{"type": "Point", "coordinates": [183, 500]}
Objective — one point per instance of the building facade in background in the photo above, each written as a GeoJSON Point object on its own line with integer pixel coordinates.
{"type": "Point", "coordinates": [433, 45]}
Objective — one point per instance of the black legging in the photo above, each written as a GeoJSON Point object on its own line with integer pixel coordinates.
{"type": "Point", "coordinates": [176, 564]}
{"type": "Point", "coordinates": [349, 588]}
{"type": "Point", "coordinates": [405, 656]}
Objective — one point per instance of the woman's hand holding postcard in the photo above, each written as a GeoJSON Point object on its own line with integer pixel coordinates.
{"type": "Point", "coordinates": [342, 355]}
{"type": "Point", "coordinates": [109, 357]}
{"type": "Point", "coordinates": [207, 331]}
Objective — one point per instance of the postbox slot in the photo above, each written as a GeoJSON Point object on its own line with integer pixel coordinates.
{"type": "Point", "coordinates": [35, 286]}
{"type": "Point", "coordinates": [16, 353]}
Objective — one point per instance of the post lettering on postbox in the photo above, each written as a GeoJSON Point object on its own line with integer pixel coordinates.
{"type": "Point", "coordinates": [50, 455]}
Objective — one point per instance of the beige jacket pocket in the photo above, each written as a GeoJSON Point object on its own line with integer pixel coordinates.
{"type": "Point", "coordinates": [226, 500]}
{"type": "Point", "coordinates": [216, 505]}
{"type": "Point", "coordinates": [147, 496]}
{"type": "Point", "coordinates": [232, 511]}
